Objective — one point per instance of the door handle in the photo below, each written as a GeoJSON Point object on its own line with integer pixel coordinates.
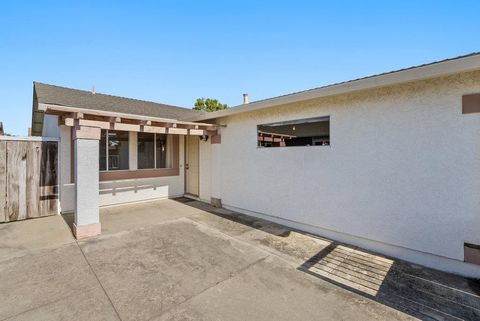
{"type": "Point", "coordinates": [187, 166]}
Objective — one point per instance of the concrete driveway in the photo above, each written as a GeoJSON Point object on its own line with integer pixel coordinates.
{"type": "Point", "coordinates": [184, 260]}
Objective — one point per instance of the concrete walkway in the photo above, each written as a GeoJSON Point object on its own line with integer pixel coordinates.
{"type": "Point", "coordinates": [184, 260]}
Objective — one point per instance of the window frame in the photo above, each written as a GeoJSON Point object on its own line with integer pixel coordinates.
{"type": "Point", "coordinates": [154, 154]}
{"type": "Point", "coordinates": [326, 118]}
{"type": "Point", "coordinates": [173, 170]}
{"type": "Point", "coordinates": [107, 154]}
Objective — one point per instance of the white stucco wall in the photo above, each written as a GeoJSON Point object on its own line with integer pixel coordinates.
{"type": "Point", "coordinates": [205, 171]}
{"type": "Point", "coordinates": [50, 126]}
{"type": "Point", "coordinates": [135, 190]}
{"type": "Point", "coordinates": [401, 175]}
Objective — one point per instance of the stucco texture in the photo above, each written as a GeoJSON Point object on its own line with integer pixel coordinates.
{"type": "Point", "coordinates": [403, 167]}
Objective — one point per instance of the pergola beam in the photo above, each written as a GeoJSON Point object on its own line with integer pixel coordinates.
{"type": "Point", "coordinates": [81, 117]}
{"type": "Point", "coordinates": [183, 130]}
{"type": "Point", "coordinates": [88, 113]}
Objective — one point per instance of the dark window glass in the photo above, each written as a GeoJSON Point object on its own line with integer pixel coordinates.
{"type": "Point", "coordinates": [162, 151]}
{"type": "Point", "coordinates": [301, 132]}
{"type": "Point", "coordinates": [146, 150]}
{"type": "Point", "coordinates": [103, 150]}
{"type": "Point", "coordinates": [117, 150]}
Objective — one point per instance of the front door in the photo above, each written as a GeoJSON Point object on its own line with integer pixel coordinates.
{"type": "Point", "coordinates": [191, 165]}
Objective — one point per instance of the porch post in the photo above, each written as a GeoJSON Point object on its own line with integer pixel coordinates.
{"type": "Point", "coordinates": [86, 169]}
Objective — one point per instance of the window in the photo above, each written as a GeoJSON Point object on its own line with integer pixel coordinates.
{"type": "Point", "coordinates": [146, 150]}
{"type": "Point", "coordinates": [153, 151]}
{"type": "Point", "coordinates": [301, 132]}
{"type": "Point", "coordinates": [163, 144]}
{"type": "Point", "coordinates": [113, 150]}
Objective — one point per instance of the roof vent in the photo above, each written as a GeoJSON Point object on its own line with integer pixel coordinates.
{"type": "Point", "coordinates": [93, 90]}
{"type": "Point", "coordinates": [245, 99]}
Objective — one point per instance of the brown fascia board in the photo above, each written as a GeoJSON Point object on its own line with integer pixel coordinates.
{"type": "Point", "coordinates": [437, 69]}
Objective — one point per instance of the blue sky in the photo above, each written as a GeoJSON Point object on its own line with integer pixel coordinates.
{"type": "Point", "coordinates": [176, 51]}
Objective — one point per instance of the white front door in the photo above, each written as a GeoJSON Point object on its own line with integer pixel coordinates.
{"type": "Point", "coordinates": [191, 165]}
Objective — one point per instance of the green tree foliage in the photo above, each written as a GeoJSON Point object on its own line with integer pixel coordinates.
{"type": "Point", "coordinates": [209, 105]}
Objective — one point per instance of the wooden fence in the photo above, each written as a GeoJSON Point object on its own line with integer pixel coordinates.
{"type": "Point", "coordinates": [28, 178]}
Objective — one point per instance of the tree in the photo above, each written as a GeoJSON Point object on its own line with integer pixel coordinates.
{"type": "Point", "coordinates": [209, 105]}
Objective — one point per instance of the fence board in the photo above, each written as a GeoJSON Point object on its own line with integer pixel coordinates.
{"type": "Point", "coordinates": [3, 181]}
{"type": "Point", "coordinates": [49, 179]}
{"type": "Point", "coordinates": [28, 179]}
{"type": "Point", "coordinates": [16, 181]}
{"type": "Point", "coordinates": [34, 157]}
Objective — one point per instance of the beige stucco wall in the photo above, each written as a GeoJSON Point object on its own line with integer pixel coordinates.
{"type": "Point", "coordinates": [401, 175]}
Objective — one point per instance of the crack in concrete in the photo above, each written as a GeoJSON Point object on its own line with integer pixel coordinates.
{"type": "Point", "coordinates": [99, 282]}
{"type": "Point", "coordinates": [232, 276]}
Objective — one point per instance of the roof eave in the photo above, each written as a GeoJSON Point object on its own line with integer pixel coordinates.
{"type": "Point", "coordinates": [62, 110]}
{"type": "Point", "coordinates": [444, 68]}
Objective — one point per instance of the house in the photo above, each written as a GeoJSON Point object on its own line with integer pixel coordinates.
{"type": "Point", "coordinates": [389, 162]}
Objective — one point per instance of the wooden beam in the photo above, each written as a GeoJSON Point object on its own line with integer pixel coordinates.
{"type": "Point", "coordinates": [68, 122]}
{"type": "Point", "coordinates": [62, 110]}
{"type": "Point", "coordinates": [125, 127]}
{"type": "Point", "coordinates": [114, 119]}
{"type": "Point", "coordinates": [94, 123]}
{"type": "Point", "coordinates": [270, 139]}
{"type": "Point", "coordinates": [153, 129]}
{"type": "Point", "coordinates": [115, 123]}
{"type": "Point", "coordinates": [197, 132]}
{"type": "Point", "coordinates": [178, 131]}
{"type": "Point", "coordinates": [211, 132]}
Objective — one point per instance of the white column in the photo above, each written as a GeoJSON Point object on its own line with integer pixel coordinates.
{"type": "Point", "coordinates": [87, 217]}
{"type": "Point", "coordinates": [67, 189]}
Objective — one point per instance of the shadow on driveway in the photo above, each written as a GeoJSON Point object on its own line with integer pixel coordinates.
{"type": "Point", "coordinates": [418, 291]}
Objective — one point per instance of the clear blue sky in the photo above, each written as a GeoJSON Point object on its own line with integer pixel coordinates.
{"type": "Point", "coordinates": [176, 51]}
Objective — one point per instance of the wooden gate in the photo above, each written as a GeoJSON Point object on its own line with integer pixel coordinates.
{"type": "Point", "coordinates": [28, 179]}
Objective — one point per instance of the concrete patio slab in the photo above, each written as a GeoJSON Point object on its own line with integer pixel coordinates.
{"type": "Point", "coordinates": [43, 277]}
{"type": "Point", "coordinates": [18, 238]}
{"type": "Point", "coordinates": [185, 260]}
{"type": "Point", "coordinates": [150, 271]}
{"type": "Point", "coordinates": [92, 305]}
{"type": "Point", "coordinates": [273, 290]}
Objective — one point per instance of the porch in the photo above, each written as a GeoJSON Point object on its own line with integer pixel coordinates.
{"type": "Point", "coordinates": [184, 259]}
{"type": "Point", "coordinates": [110, 158]}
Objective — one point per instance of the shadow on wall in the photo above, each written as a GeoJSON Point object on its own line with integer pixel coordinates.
{"type": "Point", "coordinates": [418, 291]}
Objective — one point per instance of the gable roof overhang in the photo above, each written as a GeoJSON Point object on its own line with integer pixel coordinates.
{"type": "Point", "coordinates": [441, 68]}
{"type": "Point", "coordinates": [66, 102]}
